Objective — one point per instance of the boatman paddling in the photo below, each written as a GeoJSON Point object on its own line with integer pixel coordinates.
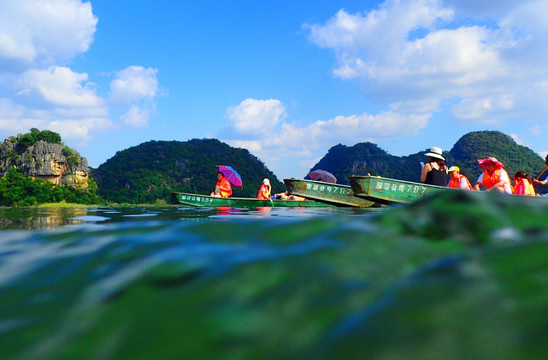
{"type": "Point", "coordinates": [264, 190]}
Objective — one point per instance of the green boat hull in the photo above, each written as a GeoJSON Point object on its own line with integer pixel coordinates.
{"type": "Point", "coordinates": [211, 201]}
{"type": "Point", "coordinates": [334, 194]}
{"type": "Point", "coordinates": [389, 191]}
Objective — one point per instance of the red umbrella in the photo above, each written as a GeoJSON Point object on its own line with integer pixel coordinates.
{"type": "Point", "coordinates": [322, 175]}
{"type": "Point", "coordinates": [231, 175]}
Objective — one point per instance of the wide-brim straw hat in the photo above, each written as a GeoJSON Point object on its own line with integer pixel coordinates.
{"type": "Point", "coordinates": [435, 152]}
{"type": "Point", "coordinates": [490, 159]}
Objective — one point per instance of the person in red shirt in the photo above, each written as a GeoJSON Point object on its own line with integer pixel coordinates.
{"type": "Point", "coordinates": [222, 187]}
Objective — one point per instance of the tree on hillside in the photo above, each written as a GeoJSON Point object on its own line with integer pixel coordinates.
{"type": "Point", "coordinates": [24, 141]}
{"type": "Point", "coordinates": [17, 189]}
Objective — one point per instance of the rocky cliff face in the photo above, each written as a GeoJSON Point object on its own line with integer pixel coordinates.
{"type": "Point", "coordinates": [53, 162]}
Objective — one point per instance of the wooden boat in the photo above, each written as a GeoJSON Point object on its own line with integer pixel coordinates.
{"type": "Point", "coordinates": [211, 201]}
{"type": "Point", "coordinates": [334, 194]}
{"type": "Point", "coordinates": [388, 191]}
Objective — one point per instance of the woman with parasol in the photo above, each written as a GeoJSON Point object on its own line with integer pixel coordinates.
{"type": "Point", "coordinates": [226, 178]}
{"type": "Point", "coordinates": [222, 187]}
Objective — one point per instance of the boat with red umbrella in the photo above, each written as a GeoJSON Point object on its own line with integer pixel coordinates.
{"type": "Point", "coordinates": [329, 193]}
{"type": "Point", "coordinates": [322, 175]}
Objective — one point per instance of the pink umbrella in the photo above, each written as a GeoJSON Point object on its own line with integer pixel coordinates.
{"type": "Point", "coordinates": [231, 175]}
{"type": "Point", "coordinates": [322, 175]}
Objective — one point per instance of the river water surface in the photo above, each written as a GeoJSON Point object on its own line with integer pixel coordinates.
{"type": "Point", "coordinates": [456, 276]}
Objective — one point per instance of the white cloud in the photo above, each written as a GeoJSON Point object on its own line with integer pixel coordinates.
{"type": "Point", "coordinates": [518, 139]}
{"type": "Point", "coordinates": [135, 117]}
{"type": "Point", "coordinates": [288, 141]}
{"type": "Point", "coordinates": [409, 53]}
{"type": "Point", "coordinates": [80, 129]}
{"type": "Point", "coordinates": [134, 84]}
{"type": "Point", "coordinates": [57, 99]}
{"type": "Point", "coordinates": [57, 86]}
{"type": "Point", "coordinates": [256, 116]}
{"type": "Point", "coordinates": [46, 32]}
{"type": "Point", "coordinates": [136, 87]}
{"type": "Point", "coordinates": [38, 39]}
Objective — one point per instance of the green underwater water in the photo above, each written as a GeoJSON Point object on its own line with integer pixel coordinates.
{"type": "Point", "coordinates": [454, 276]}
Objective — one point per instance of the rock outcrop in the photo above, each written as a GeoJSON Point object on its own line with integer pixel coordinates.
{"type": "Point", "coordinates": [53, 162]}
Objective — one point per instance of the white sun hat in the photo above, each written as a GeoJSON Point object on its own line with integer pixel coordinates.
{"type": "Point", "coordinates": [435, 152]}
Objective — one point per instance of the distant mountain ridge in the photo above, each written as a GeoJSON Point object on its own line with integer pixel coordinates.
{"type": "Point", "coordinates": [150, 171]}
{"type": "Point", "coordinates": [364, 158]}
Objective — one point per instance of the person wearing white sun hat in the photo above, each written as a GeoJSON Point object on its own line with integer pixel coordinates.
{"type": "Point", "coordinates": [265, 190]}
{"type": "Point", "coordinates": [434, 172]}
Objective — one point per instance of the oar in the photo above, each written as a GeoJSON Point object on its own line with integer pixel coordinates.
{"type": "Point", "coordinates": [269, 194]}
{"type": "Point", "coordinates": [543, 171]}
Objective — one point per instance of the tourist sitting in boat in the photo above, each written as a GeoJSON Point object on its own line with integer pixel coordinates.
{"type": "Point", "coordinates": [287, 196]}
{"type": "Point", "coordinates": [435, 171]}
{"type": "Point", "coordinates": [222, 187]}
{"type": "Point", "coordinates": [458, 180]}
{"type": "Point", "coordinates": [264, 190]}
{"type": "Point", "coordinates": [523, 185]}
{"type": "Point", "coordinates": [494, 176]}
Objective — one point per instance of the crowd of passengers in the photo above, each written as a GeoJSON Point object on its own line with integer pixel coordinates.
{"type": "Point", "coordinates": [494, 177]}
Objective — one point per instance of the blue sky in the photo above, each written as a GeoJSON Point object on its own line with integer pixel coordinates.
{"type": "Point", "coordinates": [285, 79]}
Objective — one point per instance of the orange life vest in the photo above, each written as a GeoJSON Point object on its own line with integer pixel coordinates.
{"type": "Point", "coordinates": [225, 190]}
{"type": "Point", "coordinates": [455, 182]}
{"type": "Point", "coordinates": [264, 192]}
{"type": "Point", "coordinates": [490, 180]}
{"type": "Point", "coordinates": [526, 187]}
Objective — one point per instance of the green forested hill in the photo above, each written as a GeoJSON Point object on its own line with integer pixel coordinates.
{"type": "Point", "coordinates": [360, 159]}
{"type": "Point", "coordinates": [147, 172]}
{"type": "Point", "coordinates": [481, 144]}
{"type": "Point", "coordinates": [363, 158]}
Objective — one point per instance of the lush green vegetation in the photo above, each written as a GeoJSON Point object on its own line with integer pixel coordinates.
{"type": "Point", "coordinates": [150, 171]}
{"type": "Point", "coordinates": [363, 158]}
{"type": "Point", "coordinates": [482, 144]}
{"type": "Point", "coordinates": [14, 149]}
{"type": "Point", "coordinates": [35, 135]}
{"type": "Point", "coordinates": [19, 190]}
{"type": "Point", "coordinates": [72, 157]}
{"type": "Point", "coordinates": [147, 173]}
